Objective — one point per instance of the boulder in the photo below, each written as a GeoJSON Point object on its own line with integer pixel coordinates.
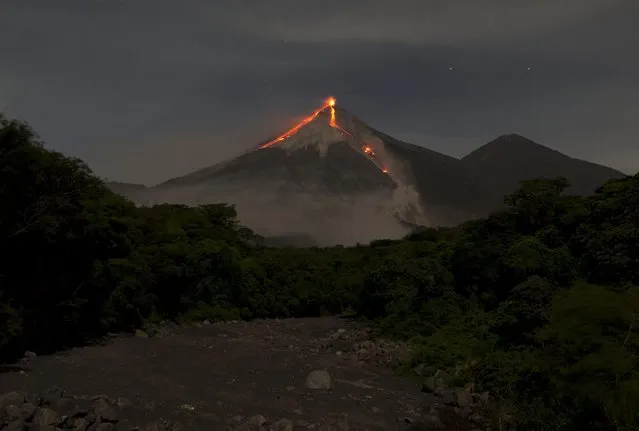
{"type": "Point", "coordinates": [319, 379]}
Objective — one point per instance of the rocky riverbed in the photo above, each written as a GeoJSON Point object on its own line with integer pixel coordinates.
{"type": "Point", "coordinates": [294, 374]}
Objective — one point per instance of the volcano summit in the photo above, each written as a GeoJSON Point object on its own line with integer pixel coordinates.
{"type": "Point", "coordinates": [336, 180]}
{"type": "Point", "coordinates": [330, 177]}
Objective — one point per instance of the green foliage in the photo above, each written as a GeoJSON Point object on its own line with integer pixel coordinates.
{"type": "Point", "coordinates": [590, 348]}
{"type": "Point", "coordinates": [534, 304]}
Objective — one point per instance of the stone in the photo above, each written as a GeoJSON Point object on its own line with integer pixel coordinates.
{"type": "Point", "coordinates": [105, 410]}
{"type": "Point", "coordinates": [108, 415]}
{"type": "Point", "coordinates": [432, 421]}
{"type": "Point", "coordinates": [429, 385]}
{"type": "Point", "coordinates": [282, 425]}
{"type": "Point", "coordinates": [319, 379]}
{"type": "Point", "coordinates": [153, 426]}
{"type": "Point", "coordinates": [64, 406]}
{"type": "Point", "coordinates": [464, 412]}
{"type": "Point", "coordinates": [51, 396]}
{"type": "Point", "coordinates": [342, 422]}
{"type": "Point", "coordinates": [254, 423]}
{"type": "Point", "coordinates": [12, 413]}
{"type": "Point", "coordinates": [46, 416]}
{"type": "Point", "coordinates": [463, 398]}
{"type": "Point", "coordinates": [28, 410]}
{"type": "Point", "coordinates": [17, 425]}
{"type": "Point", "coordinates": [79, 413]}
{"type": "Point", "coordinates": [436, 383]}
{"type": "Point", "coordinates": [91, 417]}
{"type": "Point", "coordinates": [448, 397]}
{"type": "Point", "coordinates": [80, 424]}
{"type": "Point", "coordinates": [482, 398]}
{"type": "Point", "coordinates": [257, 420]}
{"type": "Point", "coordinates": [123, 402]}
{"type": "Point", "coordinates": [476, 418]}
{"type": "Point", "coordinates": [15, 398]}
{"type": "Point", "coordinates": [419, 369]}
{"type": "Point", "coordinates": [444, 376]}
{"type": "Point", "coordinates": [235, 420]}
{"type": "Point", "coordinates": [141, 334]}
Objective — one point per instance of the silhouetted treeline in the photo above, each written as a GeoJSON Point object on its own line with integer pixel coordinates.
{"type": "Point", "coordinates": [536, 304]}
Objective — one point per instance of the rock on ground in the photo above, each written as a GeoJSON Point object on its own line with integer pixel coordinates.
{"type": "Point", "coordinates": [319, 379]}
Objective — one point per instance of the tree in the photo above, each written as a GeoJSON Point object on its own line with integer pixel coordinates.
{"type": "Point", "coordinates": [590, 348]}
{"type": "Point", "coordinates": [609, 237]}
{"type": "Point", "coordinates": [537, 203]}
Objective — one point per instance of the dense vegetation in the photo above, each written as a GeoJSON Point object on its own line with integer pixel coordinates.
{"type": "Point", "coordinates": [535, 304]}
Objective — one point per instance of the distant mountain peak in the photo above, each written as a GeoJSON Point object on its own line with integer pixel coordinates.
{"type": "Point", "coordinates": [512, 140]}
{"type": "Point", "coordinates": [510, 145]}
{"type": "Point", "coordinates": [510, 158]}
{"type": "Point", "coordinates": [511, 137]}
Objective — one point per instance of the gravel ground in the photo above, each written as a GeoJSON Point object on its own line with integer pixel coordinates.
{"type": "Point", "coordinates": [238, 376]}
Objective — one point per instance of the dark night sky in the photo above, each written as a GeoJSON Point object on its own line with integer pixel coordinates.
{"type": "Point", "coordinates": [144, 90]}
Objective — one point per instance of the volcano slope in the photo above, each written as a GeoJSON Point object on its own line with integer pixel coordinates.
{"type": "Point", "coordinates": [333, 178]}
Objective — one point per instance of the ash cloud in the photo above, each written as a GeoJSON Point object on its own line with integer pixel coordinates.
{"type": "Point", "coordinates": [271, 210]}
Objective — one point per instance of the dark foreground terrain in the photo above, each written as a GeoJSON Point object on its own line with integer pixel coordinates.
{"type": "Point", "coordinates": [236, 375]}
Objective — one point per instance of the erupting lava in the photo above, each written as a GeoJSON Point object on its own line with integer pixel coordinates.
{"type": "Point", "coordinates": [333, 121]}
{"type": "Point", "coordinates": [329, 104]}
{"type": "Point", "coordinates": [371, 155]}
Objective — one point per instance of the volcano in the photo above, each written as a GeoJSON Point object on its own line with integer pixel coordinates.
{"type": "Point", "coordinates": [332, 179]}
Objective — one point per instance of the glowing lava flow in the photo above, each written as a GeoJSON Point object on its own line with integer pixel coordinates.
{"type": "Point", "coordinates": [330, 104]}
{"type": "Point", "coordinates": [371, 155]}
{"type": "Point", "coordinates": [333, 121]}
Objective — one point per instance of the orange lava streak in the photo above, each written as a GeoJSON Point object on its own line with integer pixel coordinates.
{"type": "Point", "coordinates": [333, 120]}
{"type": "Point", "coordinates": [371, 155]}
{"type": "Point", "coordinates": [294, 130]}
{"type": "Point", "coordinates": [330, 103]}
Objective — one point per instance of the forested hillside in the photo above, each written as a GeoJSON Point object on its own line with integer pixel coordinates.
{"type": "Point", "coordinates": [536, 304]}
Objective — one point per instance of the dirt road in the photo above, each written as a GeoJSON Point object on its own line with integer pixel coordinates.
{"type": "Point", "coordinates": [217, 376]}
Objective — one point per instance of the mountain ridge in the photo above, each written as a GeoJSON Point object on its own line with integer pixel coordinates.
{"type": "Point", "coordinates": [337, 179]}
{"type": "Point", "coordinates": [509, 158]}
